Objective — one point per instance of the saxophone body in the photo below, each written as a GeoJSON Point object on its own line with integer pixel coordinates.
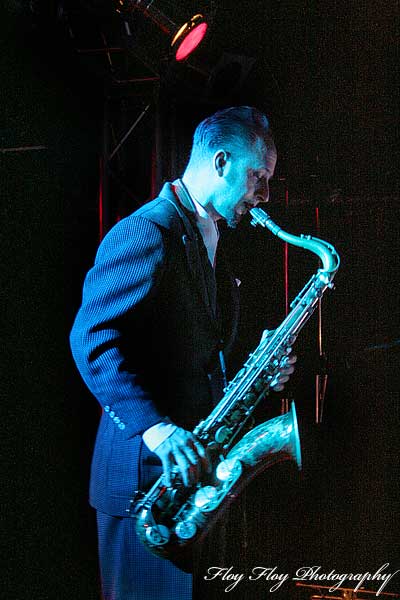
{"type": "Point", "coordinates": [169, 520]}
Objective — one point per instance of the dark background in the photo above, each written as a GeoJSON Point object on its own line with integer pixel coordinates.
{"type": "Point", "coordinates": [327, 77]}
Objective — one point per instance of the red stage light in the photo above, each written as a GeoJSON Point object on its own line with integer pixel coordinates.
{"type": "Point", "coordinates": [191, 41]}
{"type": "Point", "coordinates": [186, 37]}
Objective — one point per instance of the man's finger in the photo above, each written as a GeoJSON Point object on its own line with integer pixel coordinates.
{"type": "Point", "coordinates": [199, 447]}
{"type": "Point", "coordinates": [183, 465]}
{"type": "Point", "coordinates": [191, 455]}
{"type": "Point", "coordinates": [203, 455]}
{"type": "Point", "coordinates": [287, 370]}
{"type": "Point", "coordinates": [194, 466]}
{"type": "Point", "coordinates": [278, 387]}
{"type": "Point", "coordinates": [166, 464]}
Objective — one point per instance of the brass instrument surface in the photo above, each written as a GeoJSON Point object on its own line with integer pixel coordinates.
{"type": "Point", "coordinates": [170, 520]}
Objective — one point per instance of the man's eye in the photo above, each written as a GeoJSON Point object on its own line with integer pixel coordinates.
{"type": "Point", "coordinates": [259, 176]}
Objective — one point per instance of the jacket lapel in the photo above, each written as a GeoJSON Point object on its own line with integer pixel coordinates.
{"type": "Point", "coordinates": [196, 257]}
{"type": "Point", "coordinates": [201, 271]}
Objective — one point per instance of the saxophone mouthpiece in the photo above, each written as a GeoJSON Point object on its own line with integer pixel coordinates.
{"type": "Point", "coordinates": [260, 217]}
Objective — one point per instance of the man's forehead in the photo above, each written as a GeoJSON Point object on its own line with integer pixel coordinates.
{"type": "Point", "coordinates": [265, 154]}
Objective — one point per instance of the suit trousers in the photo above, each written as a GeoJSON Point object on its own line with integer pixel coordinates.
{"type": "Point", "coordinates": [129, 571]}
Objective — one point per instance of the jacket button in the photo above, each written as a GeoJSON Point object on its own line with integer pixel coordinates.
{"type": "Point", "coordinates": [112, 414]}
{"type": "Point", "coordinates": [121, 426]}
{"type": "Point", "coordinates": [107, 409]}
{"type": "Point", "coordinates": [116, 419]}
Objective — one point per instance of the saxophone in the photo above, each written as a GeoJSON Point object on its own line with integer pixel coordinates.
{"type": "Point", "coordinates": [169, 520]}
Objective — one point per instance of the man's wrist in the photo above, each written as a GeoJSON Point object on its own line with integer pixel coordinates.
{"type": "Point", "coordinates": [157, 434]}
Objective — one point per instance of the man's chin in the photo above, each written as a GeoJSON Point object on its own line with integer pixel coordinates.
{"type": "Point", "coordinates": [232, 222]}
{"type": "Point", "coordinates": [235, 219]}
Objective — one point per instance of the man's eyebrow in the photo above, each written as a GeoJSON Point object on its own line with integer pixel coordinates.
{"type": "Point", "coordinates": [268, 171]}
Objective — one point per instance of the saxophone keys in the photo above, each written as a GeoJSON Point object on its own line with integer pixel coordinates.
{"type": "Point", "coordinates": [222, 434]}
{"type": "Point", "coordinates": [198, 428]}
{"type": "Point", "coordinates": [235, 416]}
{"type": "Point", "coordinates": [284, 362]}
{"type": "Point", "coordinates": [157, 535]}
{"type": "Point", "coordinates": [250, 397]}
{"type": "Point", "coordinates": [206, 498]}
{"type": "Point", "coordinates": [274, 381]}
{"type": "Point", "coordinates": [185, 530]}
{"type": "Point", "coordinates": [229, 469]}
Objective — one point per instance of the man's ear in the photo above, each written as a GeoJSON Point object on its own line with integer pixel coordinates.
{"type": "Point", "coordinates": [221, 162]}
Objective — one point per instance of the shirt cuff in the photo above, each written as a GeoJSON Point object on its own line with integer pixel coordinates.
{"type": "Point", "coordinates": [156, 435]}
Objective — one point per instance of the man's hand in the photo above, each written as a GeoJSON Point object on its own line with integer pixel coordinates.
{"type": "Point", "coordinates": [286, 367]}
{"type": "Point", "coordinates": [182, 448]}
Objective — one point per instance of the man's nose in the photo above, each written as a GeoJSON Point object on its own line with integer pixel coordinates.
{"type": "Point", "coordinates": [262, 192]}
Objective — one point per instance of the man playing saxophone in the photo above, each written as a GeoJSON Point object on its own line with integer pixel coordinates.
{"type": "Point", "coordinates": [157, 322]}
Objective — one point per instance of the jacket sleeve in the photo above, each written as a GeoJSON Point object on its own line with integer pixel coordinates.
{"type": "Point", "coordinates": [127, 270]}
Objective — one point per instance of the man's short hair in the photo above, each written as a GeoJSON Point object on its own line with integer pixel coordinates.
{"type": "Point", "coordinates": [235, 126]}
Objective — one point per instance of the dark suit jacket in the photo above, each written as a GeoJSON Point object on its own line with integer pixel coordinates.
{"type": "Point", "coordinates": [146, 340]}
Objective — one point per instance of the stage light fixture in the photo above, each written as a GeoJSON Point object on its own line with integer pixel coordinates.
{"type": "Point", "coordinates": [184, 39]}
{"type": "Point", "coordinates": [189, 36]}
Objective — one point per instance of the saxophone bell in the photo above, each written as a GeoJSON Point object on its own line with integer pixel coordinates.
{"type": "Point", "coordinates": [274, 441]}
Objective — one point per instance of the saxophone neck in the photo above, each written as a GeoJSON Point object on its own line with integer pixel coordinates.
{"type": "Point", "coordinates": [325, 251]}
